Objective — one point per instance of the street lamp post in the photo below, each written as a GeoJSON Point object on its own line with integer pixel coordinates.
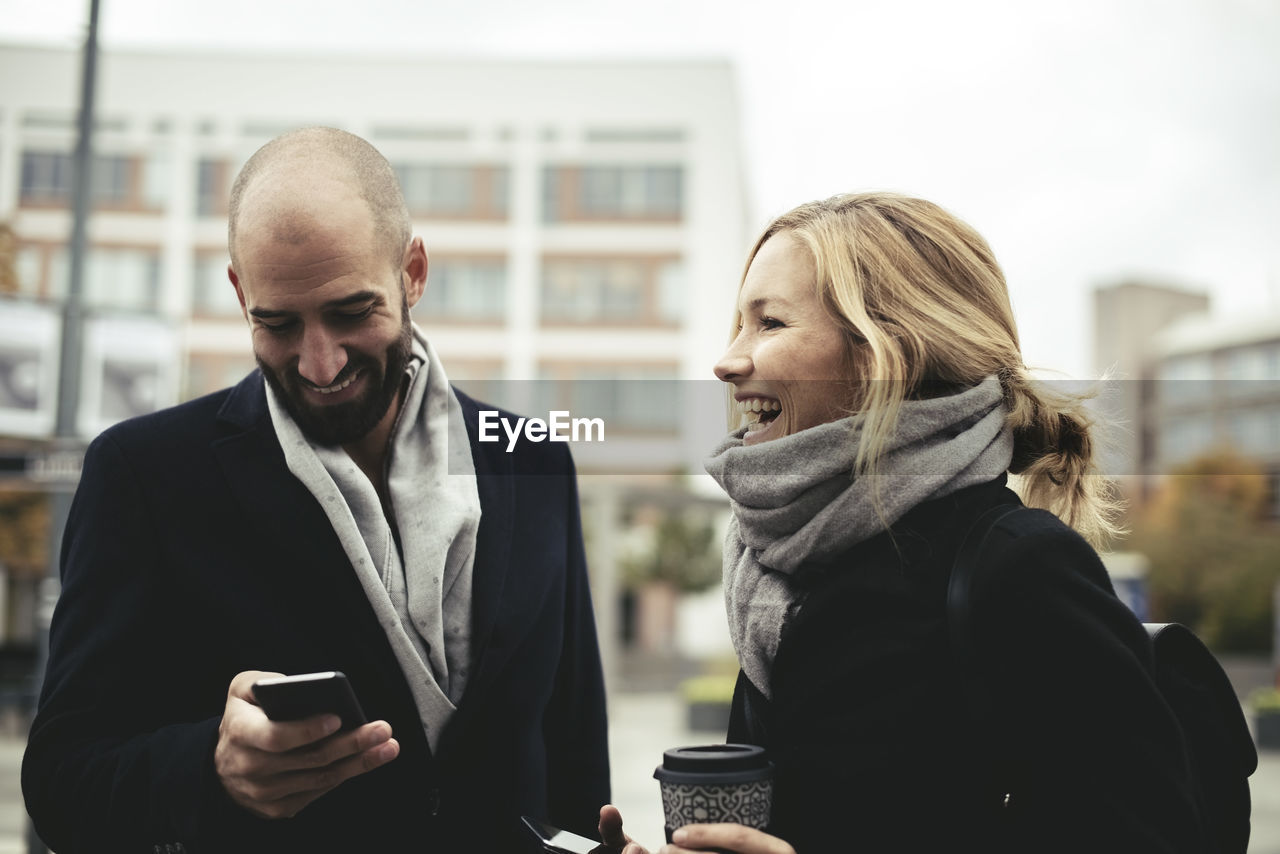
{"type": "Point", "coordinates": [66, 434]}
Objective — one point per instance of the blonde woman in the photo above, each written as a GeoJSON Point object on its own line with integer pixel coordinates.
{"type": "Point", "coordinates": [877, 367]}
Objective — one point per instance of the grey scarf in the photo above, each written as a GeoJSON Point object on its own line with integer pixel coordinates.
{"type": "Point", "coordinates": [420, 592]}
{"type": "Point", "coordinates": [794, 500]}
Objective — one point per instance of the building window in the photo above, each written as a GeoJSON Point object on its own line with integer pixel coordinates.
{"type": "Point", "coordinates": [1245, 363]}
{"type": "Point", "coordinates": [481, 379]}
{"type": "Point", "coordinates": [421, 133]}
{"type": "Point", "coordinates": [157, 178]}
{"type": "Point", "coordinates": [112, 181]}
{"type": "Point", "coordinates": [642, 193]}
{"type": "Point", "coordinates": [211, 293]}
{"type": "Point", "coordinates": [464, 288]}
{"type": "Point", "coordinates": [113, 277]}
{"type": "Point", "coordinates": [630, 399]}
{"type": "Point", "coordinates": [209, 372]}
{"type": "Point", "coordinates": [126, 278]}
{"type": "Point", "coordinates": [213, 187]}
{"type": "Point", "coordinates": [120, 182]}
{"type": "Point", "coordinates": [53, 121]}
{"type": "Point", "coordinates": [1183, 439]}
{"type": "Point", "coordinates": [635, 134]}
{"type": "Point", "coordinates": [640, 290]}
{"type": "Point", "coordinates": [455, 191]}
{"type": "Point", "coordinates": [1256, 432]}
{"type": "Point", "coordinates": [29, 266]}
{"type": "Point", "coordinates": [1251, 371]}
{"type": "Point", "coordinates": [1186, 379]}
{"type": "Point", "coordinates": [46, 178]}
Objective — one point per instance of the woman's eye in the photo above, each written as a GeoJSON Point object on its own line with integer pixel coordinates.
{"type": "Point", "coordinates": [771, 323]}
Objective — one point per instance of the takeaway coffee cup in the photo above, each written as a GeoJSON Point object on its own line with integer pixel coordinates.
{"type": "Point", "coordinates": [715, 783]}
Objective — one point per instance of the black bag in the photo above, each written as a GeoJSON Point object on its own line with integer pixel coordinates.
{"type": "Point", "coordinates": [1190, 679]}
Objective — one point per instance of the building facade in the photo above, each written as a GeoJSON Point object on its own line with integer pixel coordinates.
{"type": "Point", "coordinates": [1127, 316]}
{"type": "Point", "coordinates": [1217, 387]}
{"type": "Point", "coordinates": [1188, 384]}
{"type": "Point", "coordinates": [585, 222]}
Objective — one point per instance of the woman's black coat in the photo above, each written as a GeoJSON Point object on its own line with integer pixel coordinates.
{"type": "Point", "coordinates": [872, 732]}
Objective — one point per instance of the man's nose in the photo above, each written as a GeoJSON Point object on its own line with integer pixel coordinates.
{"type": "Point", "coordinates": [322, 357]}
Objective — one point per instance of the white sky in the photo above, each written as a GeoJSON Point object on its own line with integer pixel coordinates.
{"type": "Point", "coordinates": [1088, 141]}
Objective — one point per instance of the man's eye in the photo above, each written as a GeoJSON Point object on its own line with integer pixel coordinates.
{"type": "Point", "coordinates": [353, 316]}
{"type": "Point", "coordinates": [278, 328]}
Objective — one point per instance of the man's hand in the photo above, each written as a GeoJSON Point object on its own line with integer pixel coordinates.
{"type": "Point", "coordinates": [275, 768]}
{"type": "Point", "coordinates": [611, 833]}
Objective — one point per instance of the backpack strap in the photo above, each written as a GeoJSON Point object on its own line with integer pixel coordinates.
{"type": "Point", "coordinates": [999, 775]}
{"type": "Point", "coordinates": [960, 604]}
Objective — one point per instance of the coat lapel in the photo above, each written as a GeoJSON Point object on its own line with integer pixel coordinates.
{"type": "Point", "coordinates": [493, 539]}
{"type": "Point", "coordinates": [302, 560]}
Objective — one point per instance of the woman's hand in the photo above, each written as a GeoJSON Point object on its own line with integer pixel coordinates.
{"type": "Point", "coordinates": [725, 837]}
{"type": "Point", "coordinates": [611, 832]}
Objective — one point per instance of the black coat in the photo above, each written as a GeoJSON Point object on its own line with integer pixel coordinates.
{"type": "Point", "coordinates": [192, 554]}
{"type": "Point", "coordinates": [875, 739]}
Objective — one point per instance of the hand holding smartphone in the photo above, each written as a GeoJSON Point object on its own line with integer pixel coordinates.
{"type": "Point", "coordinates": [291, 698]}
{"type": "Point", "coordinates": [557, 841]}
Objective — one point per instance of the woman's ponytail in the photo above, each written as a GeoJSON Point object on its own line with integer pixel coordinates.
{"type": "Point", "coordinates": [1055, 455]}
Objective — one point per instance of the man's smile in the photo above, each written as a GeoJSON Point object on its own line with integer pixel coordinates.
{"type": "Point", "coordinates": [336, 387]}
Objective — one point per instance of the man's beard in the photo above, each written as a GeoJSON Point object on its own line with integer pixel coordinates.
{"type": "Point", "coordinates": [344, 423]}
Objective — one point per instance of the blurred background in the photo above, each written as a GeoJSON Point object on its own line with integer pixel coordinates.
{"type": "Point", "coordinates": [588, 178]}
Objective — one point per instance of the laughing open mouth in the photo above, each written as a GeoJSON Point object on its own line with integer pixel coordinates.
{"type": "Point", "coordinates": [759, 410]}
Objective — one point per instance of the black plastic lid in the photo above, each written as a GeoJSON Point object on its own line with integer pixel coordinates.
{"type": "Point", "coordinates": [714, 763]}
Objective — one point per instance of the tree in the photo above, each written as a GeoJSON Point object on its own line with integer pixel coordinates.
{"type": "Point", "coordinates": [1215, 557]}
{"type": "Point", "coordinates": [678, 549]}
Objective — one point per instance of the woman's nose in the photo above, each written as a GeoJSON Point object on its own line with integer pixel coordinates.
{"type": "Point", "coordinates": [734, 364]}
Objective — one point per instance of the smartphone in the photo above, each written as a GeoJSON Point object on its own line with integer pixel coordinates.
{"type": "Point", "coordinates": [290, 698]}
{"type": "Point", "coordinates": [559, 841]}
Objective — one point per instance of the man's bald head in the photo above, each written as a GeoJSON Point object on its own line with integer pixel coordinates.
{"type": "Point", "coordinates": [275, 188]}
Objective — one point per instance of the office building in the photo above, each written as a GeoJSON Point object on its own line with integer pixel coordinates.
{"type": "Point", "coordinates": [585, 221]}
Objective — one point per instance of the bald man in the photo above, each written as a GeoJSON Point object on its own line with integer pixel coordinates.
{"type": "Point", "coordinates": [333, 511]}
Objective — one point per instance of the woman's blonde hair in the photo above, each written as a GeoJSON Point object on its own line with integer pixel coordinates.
{"type": "Point", "coordinates": [925, 311]}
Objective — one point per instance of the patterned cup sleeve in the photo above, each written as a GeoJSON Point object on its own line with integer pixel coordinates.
{"type": "Point", "coordinates": [741, 803]}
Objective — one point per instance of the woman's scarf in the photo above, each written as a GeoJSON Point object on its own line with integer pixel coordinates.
{"type": "Point", "coordinates": [795, 500]}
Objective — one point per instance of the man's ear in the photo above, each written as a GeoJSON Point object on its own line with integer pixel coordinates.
{"type": "Point", "coordinates": [235, 283]}
{"type": "Point", "coordinates": [414, 269]}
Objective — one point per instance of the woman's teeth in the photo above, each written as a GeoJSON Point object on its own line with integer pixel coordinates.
{"type": "Point", "coordinates": [759, 408]}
